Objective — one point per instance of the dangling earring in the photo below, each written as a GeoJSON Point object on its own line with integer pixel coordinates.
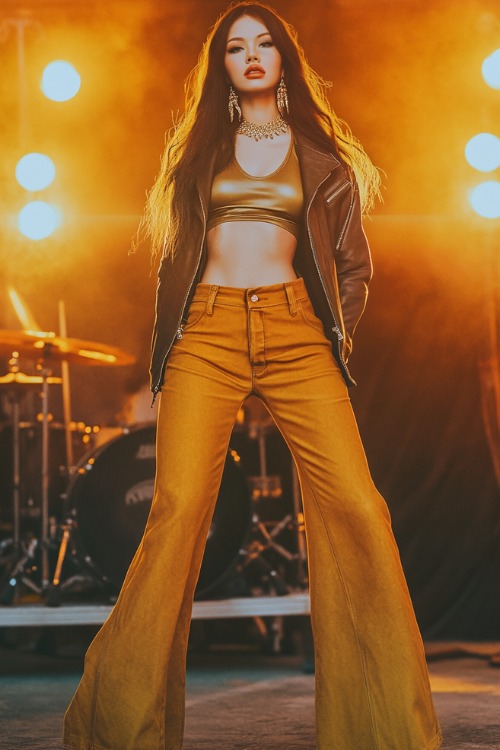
{"type": "Point", "coordinates": [282, 97]}
{"type": "Point", "coordinates": [233, 104]}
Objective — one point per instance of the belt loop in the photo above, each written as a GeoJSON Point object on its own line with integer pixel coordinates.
{"type": "Point", "coordinates": [211, 299]}
{"type": "Point", "coordinates": [212, 294]}
{"type": "Point", "coordinates": [292, 302]}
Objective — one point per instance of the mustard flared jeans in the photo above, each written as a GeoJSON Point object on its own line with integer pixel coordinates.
{"type": "Point", "coordinates": [372, 688]}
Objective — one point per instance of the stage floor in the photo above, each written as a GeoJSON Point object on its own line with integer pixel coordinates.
{"type": "Point", "coordinates": [240, 699]}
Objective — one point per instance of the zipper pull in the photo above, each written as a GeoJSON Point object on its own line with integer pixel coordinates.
{"type": "Point", "coordinates": [338, 333]}
{"type": "Point", "coordinates": [178, 334]}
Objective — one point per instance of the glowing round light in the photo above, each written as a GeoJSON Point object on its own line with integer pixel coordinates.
{"type": "Point", "coordinates": [485, 199]}
{"type": "Point", "coordinates": [491, 69]}
{"type": "Point", "coordinates": [35, 171]}
{"type": "Point", "coordinates": [60, 81]}
{"type": "Point", "coordinates": [38, 220]}
{"type": "Point", "coordinates": [483, 152]}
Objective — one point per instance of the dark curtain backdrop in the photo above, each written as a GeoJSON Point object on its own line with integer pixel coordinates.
{"type": "Point", "coordinates": [417, 353]}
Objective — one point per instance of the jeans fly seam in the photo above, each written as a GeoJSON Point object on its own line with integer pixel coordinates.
{"type": "Point", "coordinates": [249, 337]}
{"type": "Point", "coordinates": [261, 314]}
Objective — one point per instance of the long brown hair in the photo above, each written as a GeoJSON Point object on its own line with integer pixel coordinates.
{"type": "Point", "coordinates": [205, 127]}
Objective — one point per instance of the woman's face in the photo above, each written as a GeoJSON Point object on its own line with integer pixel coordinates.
{"type": "Point", "coordinates": [252, 62]}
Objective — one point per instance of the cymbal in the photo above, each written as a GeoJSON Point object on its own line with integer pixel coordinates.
{"type": "Point", "coordinates": [47, 346]}
{"type": "Point", "coordinates": [20, 381]}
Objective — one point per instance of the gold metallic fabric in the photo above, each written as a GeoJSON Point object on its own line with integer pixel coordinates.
{"type": "Point", "coordinates": [275, 198]}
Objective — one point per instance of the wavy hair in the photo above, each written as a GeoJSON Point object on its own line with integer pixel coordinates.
{"type": "Point", "coordinates": [205, 127]}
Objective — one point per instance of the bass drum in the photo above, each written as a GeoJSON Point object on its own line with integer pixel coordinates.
{"type": "Point", "coordinates": [110, 497]}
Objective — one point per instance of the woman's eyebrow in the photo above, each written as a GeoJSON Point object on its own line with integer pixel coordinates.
{"type": "Point", "coordinates": [241, 39]}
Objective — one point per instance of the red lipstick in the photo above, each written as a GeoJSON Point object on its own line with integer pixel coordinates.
{"type": "Point", "coordinates": [254, 71]}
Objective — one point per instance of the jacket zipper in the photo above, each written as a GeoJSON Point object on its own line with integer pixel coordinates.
{"type": "Point", "coordinates": [178, 332]}
{"type": "Point", "coordinates": [336, 327]}
{"type": "Point", "coordinates": [332, 197]}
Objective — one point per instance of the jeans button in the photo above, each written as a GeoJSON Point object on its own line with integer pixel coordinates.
{"type": "Point", "coordinates": [254, 298]}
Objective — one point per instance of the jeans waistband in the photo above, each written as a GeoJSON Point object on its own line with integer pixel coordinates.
{"type": "Point", "coordinates": [288, 292]}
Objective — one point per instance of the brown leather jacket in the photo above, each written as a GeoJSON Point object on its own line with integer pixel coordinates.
{"type": "Point", "coordinates": [332, 256]}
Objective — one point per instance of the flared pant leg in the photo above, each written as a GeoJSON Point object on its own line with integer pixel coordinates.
{"type": "Point", "coordinates": [372, 685]}
{"type": "Point", "coordinates": [131, 696]}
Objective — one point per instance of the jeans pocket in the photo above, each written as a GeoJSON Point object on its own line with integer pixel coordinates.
{"type": "Point", "coordinates": [196, 312]}
{"type": "Point", "coordinates": [309, 316]}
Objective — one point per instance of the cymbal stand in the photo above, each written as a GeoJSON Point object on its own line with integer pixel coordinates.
{"type": "Point", "coordinates": [263, 538]}
{"type": "Point", "coordinates": [7, 592]}
{"type": "Point", "coordinates": [23, 557]}
{"type": "Point", "coordinates": [27, 560]}
{"type": "Point", "coordinates": [45, 373]}
{"type": "Point", "coordinates": [16, 473]}
{"type": "Point", "coordinates": [54, 592]}
{"type": "Point", "coordinates": [66, 393]}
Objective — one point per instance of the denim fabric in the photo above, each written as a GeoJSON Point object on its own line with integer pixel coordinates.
{"type": "Point", "coordinates": [372, 687]}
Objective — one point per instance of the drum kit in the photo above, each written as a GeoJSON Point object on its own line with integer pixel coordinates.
{"type": "Point", "coordinates": [46, 350]}
{"type": "Point", "coordinates": [86, 536]}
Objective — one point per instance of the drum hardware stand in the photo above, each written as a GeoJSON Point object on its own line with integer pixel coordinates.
{"type": "Point", "coordinates": [261, 538]}
{"type": "Point", "coordinates": [44, 346]}
{"type": "Point", "coordinates": [57, 586]}
{"type": "Point", "coordinates": [16, 474]}
{"type": "Point", "coordinates": [20, 573]}
{"type": "Point", "coordinates": [66, 394]}
{"type": "Point", "coordinates": [53, 595]}
{"type": "Point", "coordinates": [23, 555]}
{"type": "Point", "coordinates": [53, 598]}
{"type": "Point", "coordinates": [68, 526]}
{"type": "Point", "coordinates": [45, 372]}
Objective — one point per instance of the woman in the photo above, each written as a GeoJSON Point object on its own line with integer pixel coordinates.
{"type": "Point", "coordinates": [263, 279]}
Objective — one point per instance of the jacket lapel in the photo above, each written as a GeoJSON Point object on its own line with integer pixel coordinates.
{"type": "Point", "coordinates": [315, 165]}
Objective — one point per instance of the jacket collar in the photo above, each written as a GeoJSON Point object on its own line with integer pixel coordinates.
{"type": "Point", "coordinates": [315, 165]}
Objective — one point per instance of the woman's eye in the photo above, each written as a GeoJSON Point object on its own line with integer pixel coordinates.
{"type": "Point", "coordinates": [232, 50]}
{"type": "Point", "coordinates": [267, 44]}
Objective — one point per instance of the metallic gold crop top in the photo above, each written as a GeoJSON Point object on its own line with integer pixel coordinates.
{"type": "Point", "coordinates": [275, 198]}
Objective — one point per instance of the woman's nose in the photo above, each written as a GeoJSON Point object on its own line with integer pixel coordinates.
{"type": "Point", "coordinates": [252, 57]}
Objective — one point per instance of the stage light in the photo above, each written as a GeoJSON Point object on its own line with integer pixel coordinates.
{"type": "Point", "coordinates": [491, 69]}
{"type": "Point", "coordinates": [35, 171]}
{"type": "Point", "coordinates": [38, 220]}
{"type": "Point", "coordinates": [60, 81]}
{"type": "Point", "coordinates": [483, 152]}
{"type": "Point", "coordinates": [485, 199]}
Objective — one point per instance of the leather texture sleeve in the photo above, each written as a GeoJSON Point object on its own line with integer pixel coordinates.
{"type": "Point", "coordinates": [354, 267]}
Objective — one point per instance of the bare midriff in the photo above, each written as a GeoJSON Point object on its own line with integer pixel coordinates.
{"type": "Point", "coordinates": [249, 253]}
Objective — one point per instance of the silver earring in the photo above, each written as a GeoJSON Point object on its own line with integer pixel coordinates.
{"type": "Point", "coordinates": [233, 104]}
{"type": "Point", "coordinates": [282, 97]}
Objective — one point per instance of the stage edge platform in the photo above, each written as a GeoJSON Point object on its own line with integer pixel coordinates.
{"type": "Point", "coordinates": [27, 615]}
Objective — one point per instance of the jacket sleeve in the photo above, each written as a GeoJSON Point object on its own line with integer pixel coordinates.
{"type": "Point", "coordinates": [354, 268]}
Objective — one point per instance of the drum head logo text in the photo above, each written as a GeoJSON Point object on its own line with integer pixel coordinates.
{"type": "Point", "coordinates": [141, 492]}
